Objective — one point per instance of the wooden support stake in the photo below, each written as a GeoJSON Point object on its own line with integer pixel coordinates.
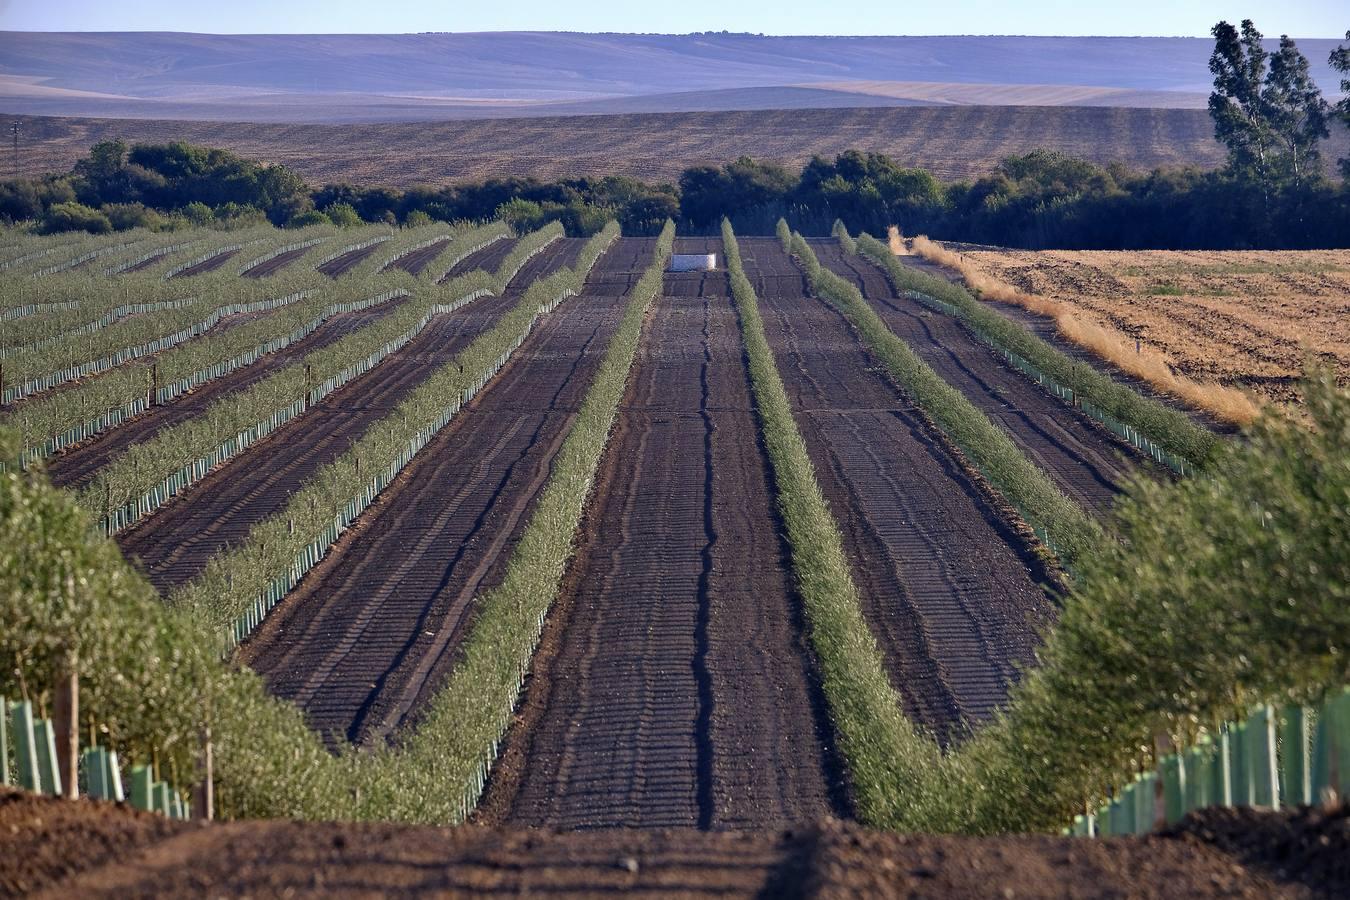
{"type": "Point", "coordinates": [66, 713]}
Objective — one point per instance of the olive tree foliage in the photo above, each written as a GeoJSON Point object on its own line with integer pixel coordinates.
{"type": "Point", "coordinates": [1340, 61]}
{"type": "Point", "coordinates": [1266, 108]}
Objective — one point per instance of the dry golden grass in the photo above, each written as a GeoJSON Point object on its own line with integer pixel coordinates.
{"type": "Point", "coordinates": [1097, 327]}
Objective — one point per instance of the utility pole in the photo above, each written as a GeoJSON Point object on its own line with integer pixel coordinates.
{"type": "Point", "coordinates": [15, 128]}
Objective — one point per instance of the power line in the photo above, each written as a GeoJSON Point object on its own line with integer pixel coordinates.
{"type": "Point", "coordinates": [15, 127]}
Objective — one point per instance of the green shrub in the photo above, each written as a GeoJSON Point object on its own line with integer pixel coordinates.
{"type": "Point", "coordinates": [74, 217]}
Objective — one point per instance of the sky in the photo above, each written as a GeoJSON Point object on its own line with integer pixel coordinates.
{"type": "Point", "coordinates": [1300, 18]}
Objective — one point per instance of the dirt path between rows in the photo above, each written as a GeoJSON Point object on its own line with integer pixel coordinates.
{"type": "Point", "coordinates": [367, 638]}
{"type": "Point", "coordinates": [952, 592]}
{"type": "Point", "coordinates": [486, 258]}
{"type": "Point", "coordinates": [210, 264]}
{"type": "Point", "coordinates": [55, 848]}
{"type": "Point", "coordinates": [418, 260]}
{"type": "Point", "coordinates": [349, 260]}
{"type": "Point", "coordinates": [276, 263]}
{"type": "Point", "coordinates": [174, 544]}
{"type": "Point", "coordinates": [674, 686]}
{"type": "Point", "coordinates": [76, 466]}
{"type": "Point", "coordinates": [1084, 460]}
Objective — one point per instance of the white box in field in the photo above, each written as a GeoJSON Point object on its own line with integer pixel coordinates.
{"type": "Point", "coordinates": [693, 262]}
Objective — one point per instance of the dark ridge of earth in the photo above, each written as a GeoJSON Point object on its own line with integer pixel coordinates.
{"type": "Point", "coordinates": [93, 849]}
{"type": "Point", "coordinates": [951, 141]}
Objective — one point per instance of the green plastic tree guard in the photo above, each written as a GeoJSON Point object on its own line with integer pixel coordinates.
{"type": "Point", "coordinates": [44, 736]}
{"type": "Point", "coordinates": [1241, 771]}
{"type": "Point", "coordinates": [1145, 801]}
{"type": "Point", "coordinates": [1262, 758]}
{"type": "Point", "coordinates": [91, 761]}
{"type": "Point", "coordinates": [161, 798]}
{"type": "Point", "coordinates": [25, 751]}
{"type": "Point", "coordinates": [4, 741]}
{"type": "Point", "coordinates": [1122, 814]}
{"type": "Point", "coordinates": [1295, 768]}
{"type": "Point", "coordinates": [141, 794]}
{"type": "Point", "coordinates": [1174, 787]}
{"type": "Point", "coordinates": [1331, 749]}
{"type": "Point", "coordinates": [113, 776]}
{"type": "Point", "coordinates": [1221, 773]}
{"type": "Point", "coordinates": [1199, 775]}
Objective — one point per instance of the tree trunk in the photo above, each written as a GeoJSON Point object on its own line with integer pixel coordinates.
{"type": "Point", "coordinates": [66, 713]}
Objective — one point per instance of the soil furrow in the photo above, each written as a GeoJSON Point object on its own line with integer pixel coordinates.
{"type": "Point", "coordinates": [674, 687]}
{"type": "Point", "coordinates": [416, 261]}
{"type": "Point", "coordinates": [1083, 459]}
{"type": "Point", "coordinates": [208, 265]}
{"type": "Point", "coordinates": [335, 267]}
{"type": "Point", "coordinates": [77, 465]}
{"type": "Point", "coordinates": [556, 255]}
{"type": "Point", "coordinates": [948, 587]}
{"type": "Point", "coordinates": [486, 258]}
{"type": "Point", "coordinates": [367, 637]}
{"type": "Point", "coordinates": [276, 263]}
{"type": "Point", "coordinates": [174, 544]}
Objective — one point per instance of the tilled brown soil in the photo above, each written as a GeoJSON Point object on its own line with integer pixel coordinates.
{"type": "Point", "coordinates": [335, 267]}
{"type": "Point", "coordinates": [55, 848]}
{"type": "Point", "coordinates": [486, 258]}
{"type": "Point", "coordinates": [559, 254]}
{"type": "Point", "coordinates": [276, 263]}
{"type": "Point", "coordinates": [368, 637]}
{"type": "Point", "coordinates": [77, 465]}
{"type": "Point", "coordinates": [208, 265]}
{"type": "Point", "coordinates": [416, 261]}
{"type": "Point", "coordinates": [1085, 461]}
{"type": "Point", "coordinates": [630, 258]}
{"type": "Point", "coordinates": [141, 266]}
{"type": "Point", "coordinates": [1044, 328]}
{"type": "Point", "coordinates": [950, 589]}
{"type": "Point", "coordinates": [174, 544]}
{"type": "Point", "coordinates": [673, 686]}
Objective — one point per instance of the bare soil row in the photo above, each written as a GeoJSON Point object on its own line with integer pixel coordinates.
{"type": "Point", "coordinates": [335, 267]}
{"type": "Point", "coordinates": [275, 264]}
{"type": "Point", "coordinates": [673, 687]}
{"type": "Point", "coordinates": [208, 265]}
{"type": "Point", "coordinates": [952, 592]}
{"type": "Point", "coordinates": [487, 258]}
{"type": "Point", "coordinates": [1084, 460]}
{"type": "Point", "coordinates": [369, 636]}
{"type": "Point", "coordinates": [77, 465]}
{"type": "Point", "coordinates": [417, 260]}
{"type": "Point", "coordinates": [173, 545]}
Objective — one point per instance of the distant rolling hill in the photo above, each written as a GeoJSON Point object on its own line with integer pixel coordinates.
{"type": "Point", "coordinates": [352, 78]}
